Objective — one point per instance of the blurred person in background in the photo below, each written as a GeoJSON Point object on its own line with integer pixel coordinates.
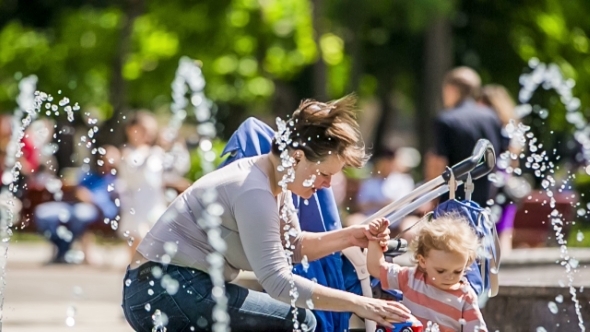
{"type": "Point", "coordinates": [65, 221]}
{"type": "Point", "coordinates": [389, 181]}
{"type": "Point", "coordinates": [98, 188]}
{"type": "Point", "coordinates": [458, 128]}
{"type": "Point", "coordinates": [497, 98]}
{"type": "Point", "coordinates": [140, 179]}
{"type": "Point", "coordinates": [177, 162]}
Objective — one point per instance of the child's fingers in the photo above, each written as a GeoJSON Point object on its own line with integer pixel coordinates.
{"type": "Point", "coordinates": [383, 224]}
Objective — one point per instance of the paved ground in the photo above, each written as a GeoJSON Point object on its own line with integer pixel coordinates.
{"type": "Point", "coordinates": [38, 297]}
{"type": "Point", "coordinates": [41, 297]}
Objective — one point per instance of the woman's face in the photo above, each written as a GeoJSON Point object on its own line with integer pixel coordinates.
{"type": "Point", "coordinates": [311, 176]}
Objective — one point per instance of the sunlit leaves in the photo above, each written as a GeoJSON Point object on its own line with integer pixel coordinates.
{"type": "Point", "coordinates": [332, 49]}
{"type": "Point", "coordinates": [553, 25]}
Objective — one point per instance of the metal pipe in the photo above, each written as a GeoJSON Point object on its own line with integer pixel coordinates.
{"type": "Point", "coordinates": [392, 207]}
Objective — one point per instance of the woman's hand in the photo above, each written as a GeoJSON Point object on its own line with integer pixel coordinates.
{"type": "Point", "coordinates": [382, 312]}
{"type": "Point", "coordinates": [376, 230]}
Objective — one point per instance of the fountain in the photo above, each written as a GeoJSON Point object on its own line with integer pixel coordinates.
{"type": "Point", "coordinates": [189, 77]}
{"type": "Point", "coordinates": [30, 104]}
{"type": "Point", "coordinates": [548, 77]}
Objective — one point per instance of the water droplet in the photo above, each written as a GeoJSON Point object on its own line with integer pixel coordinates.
{"type": "Point", "coordinates": [86, 160]}
{"type": "Point", "coordinates": [306, 201]}
{"type": "Point", "coordinates": [309, 182]}
{"type": "Point", "coordinates": [541, 329]}
{"type": "Point", "coordinates": [552, 307]}
{"type": "Point", "coordinates": [64, 101]}
{"type": "Point", "coordinates": [70, 321]}
{"type": "Point", "coordinates": [305, 263]}
{"type": "Point", "coordinates": [580, 236]}
{"type": "Point", "coordinates": [127, 282]}
{"type": "Point", "coordinates": [150, 292]}
{"type": "Point", "coordinates": [130, 241]}
{"type": "Point", "coordinates": [147, 307]}
{"type": "Point", "coordinates": [559, 298]}
{"type": "Point", "coordinates": [309, 304]}
{"type": "Point", "coordinates": [132, 211]}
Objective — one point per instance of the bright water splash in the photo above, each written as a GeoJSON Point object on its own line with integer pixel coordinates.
{"type": "Point", "coordinates": [189, 78]}
{"type": "Point", "coordinates": [30, 104]}
{"type": "Point", "coordinates": [431, 327]}
{"type": "Point", "coordinates": [283, 138]}
{"type": "Point", "coordinates": [549, 77]}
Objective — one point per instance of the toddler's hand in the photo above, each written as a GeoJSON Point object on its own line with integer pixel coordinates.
{"type": "Point", "coordinates": [378, 226]}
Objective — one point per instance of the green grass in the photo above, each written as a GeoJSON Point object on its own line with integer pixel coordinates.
{"type": "Point", "coordinates": [20, 236]}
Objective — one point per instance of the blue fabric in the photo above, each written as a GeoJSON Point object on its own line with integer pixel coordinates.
{"type": "Point", "coordinates": [474, 214]}
{"type": "Point", "coordinates": [318, 214]}
{"type": "Point", "coordinates": [101, 197]}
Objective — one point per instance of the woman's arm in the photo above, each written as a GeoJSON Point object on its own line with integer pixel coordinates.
{"type": "Point", "coordinates": [380, 311]}
{"type": "Point", "coordinates": [260, 235]}
{"type": "Point", "coordinates": [318, 245]}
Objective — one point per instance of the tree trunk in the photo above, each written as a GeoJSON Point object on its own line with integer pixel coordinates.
{"type": "Point", "coordinates": [319, 68]}
{"type": "Point", "coordinates": [113, 129]}
{"type": "Point", "coordinates": [355, 45]}
{"type": "Point", "coordinates": [388, 115]}
{"type": "Point", "coordinates": [438, 59]}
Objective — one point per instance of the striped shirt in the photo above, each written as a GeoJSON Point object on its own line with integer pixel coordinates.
{"type": "Point", "coordinates": [451, 310]}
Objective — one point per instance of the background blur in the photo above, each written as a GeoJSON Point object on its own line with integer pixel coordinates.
{"type": "Point", "coordinates": [261, 57]}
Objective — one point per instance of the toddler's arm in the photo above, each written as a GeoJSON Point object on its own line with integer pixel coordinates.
{"type": "Point", "coordinates": [472, 314]}
{"type": "Point", "coordinates": [375, 260]}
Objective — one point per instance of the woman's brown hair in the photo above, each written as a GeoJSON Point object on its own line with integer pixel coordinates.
{"type": "Point", "coordinates": [320, 129]}
{"type": "Point", "coordinates": [498, 98]}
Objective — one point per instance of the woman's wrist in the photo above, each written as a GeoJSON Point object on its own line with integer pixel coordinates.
{"type": "Point", "coordinates": [350, 232]}
{"type": "Point", "coordinates": [354, 303]}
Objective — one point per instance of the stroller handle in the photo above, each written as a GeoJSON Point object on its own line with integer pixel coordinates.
{"type": "Point", "coordinates": [438, 186]}
{"type": "Point", "coordinates": [472, 165]}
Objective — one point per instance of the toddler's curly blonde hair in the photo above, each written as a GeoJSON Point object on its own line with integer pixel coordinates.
{"type": "Point", "coordinates": [450, 233]}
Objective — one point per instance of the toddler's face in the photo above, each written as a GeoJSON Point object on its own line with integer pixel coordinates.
{"type": "Point", "coordinates": [444, 269]}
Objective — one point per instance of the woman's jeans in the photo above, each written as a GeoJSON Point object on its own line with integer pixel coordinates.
{"type": "Point", "coordinates": [180, 299]}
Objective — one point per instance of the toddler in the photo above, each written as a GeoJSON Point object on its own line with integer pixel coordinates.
{"type": "Point", "coordinates": [435, 290]}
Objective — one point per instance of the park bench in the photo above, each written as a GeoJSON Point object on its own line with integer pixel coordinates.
{"type": "Point", "coordinates": [34, 195]}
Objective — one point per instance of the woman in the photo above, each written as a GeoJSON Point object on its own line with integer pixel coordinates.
{"type": "Point", "coordinates": [248, 199]}
{"type": "Point", "coordinates": [497, 98]}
